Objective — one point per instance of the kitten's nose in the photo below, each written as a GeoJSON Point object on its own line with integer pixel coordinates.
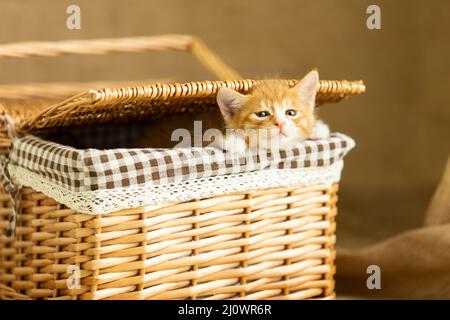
{"type": "Point", "coordinates": [280, 127]}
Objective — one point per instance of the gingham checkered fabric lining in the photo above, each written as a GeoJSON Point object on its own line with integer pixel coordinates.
{"type": "Point", "coordinates": [93, 169]}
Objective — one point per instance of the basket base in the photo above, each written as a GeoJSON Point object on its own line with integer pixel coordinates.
{"type": "Point", "coordinates": [266, 244]}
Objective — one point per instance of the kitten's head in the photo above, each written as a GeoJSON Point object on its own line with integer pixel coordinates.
{"type": "Point", "coordinates": [281, 115]}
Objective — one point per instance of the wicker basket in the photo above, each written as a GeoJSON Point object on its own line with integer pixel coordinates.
{"type": "Point", "coordinates": [270, 243]}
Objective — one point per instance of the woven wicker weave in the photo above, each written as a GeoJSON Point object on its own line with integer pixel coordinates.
{"type": "Point", "coordinates": [266, 244]}
{"type": "Point", "coordinates": [274, 243]}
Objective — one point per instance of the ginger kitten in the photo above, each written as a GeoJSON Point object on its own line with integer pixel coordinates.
{"type": "Point", "coordinates": [272, 116]}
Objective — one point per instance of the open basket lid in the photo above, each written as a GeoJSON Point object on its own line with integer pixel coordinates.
{"type": "Point", "coordinates": [149, 101]}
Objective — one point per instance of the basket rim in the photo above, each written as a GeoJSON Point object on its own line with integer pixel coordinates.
{"type": "Point", "coordinates": [106, 104]}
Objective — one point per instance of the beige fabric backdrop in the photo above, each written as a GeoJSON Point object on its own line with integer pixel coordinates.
{"type": "Point", "coordinates": [401, 126]}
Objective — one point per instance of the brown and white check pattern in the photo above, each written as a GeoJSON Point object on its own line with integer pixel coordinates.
{"type": "Point", "coordinates": [93, 169]}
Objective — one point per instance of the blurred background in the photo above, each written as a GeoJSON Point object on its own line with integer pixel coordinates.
{"type": "Point", "coordinates": [401, 125]}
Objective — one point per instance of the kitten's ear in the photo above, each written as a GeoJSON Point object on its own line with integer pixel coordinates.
{"type": "Point", "coordinates": [307, 87]}
{"type": "Point", "coordinates": [229, 102]}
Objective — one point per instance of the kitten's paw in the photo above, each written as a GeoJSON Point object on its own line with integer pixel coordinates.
{"type": "Point", "coordinates": [234, 144]}
{"type": "Point", "coordinates": [319, 131]}
{"type": "Point", "coordinates": [237, 147]}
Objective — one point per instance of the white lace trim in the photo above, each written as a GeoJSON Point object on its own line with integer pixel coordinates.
{"type": "Point", "coordinates": [105, 201]}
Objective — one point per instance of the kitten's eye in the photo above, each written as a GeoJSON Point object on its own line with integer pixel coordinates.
{"type": "Point", "coordinates": [262, 114]}
{"type": "Point", "coordinates": [291, 113]}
